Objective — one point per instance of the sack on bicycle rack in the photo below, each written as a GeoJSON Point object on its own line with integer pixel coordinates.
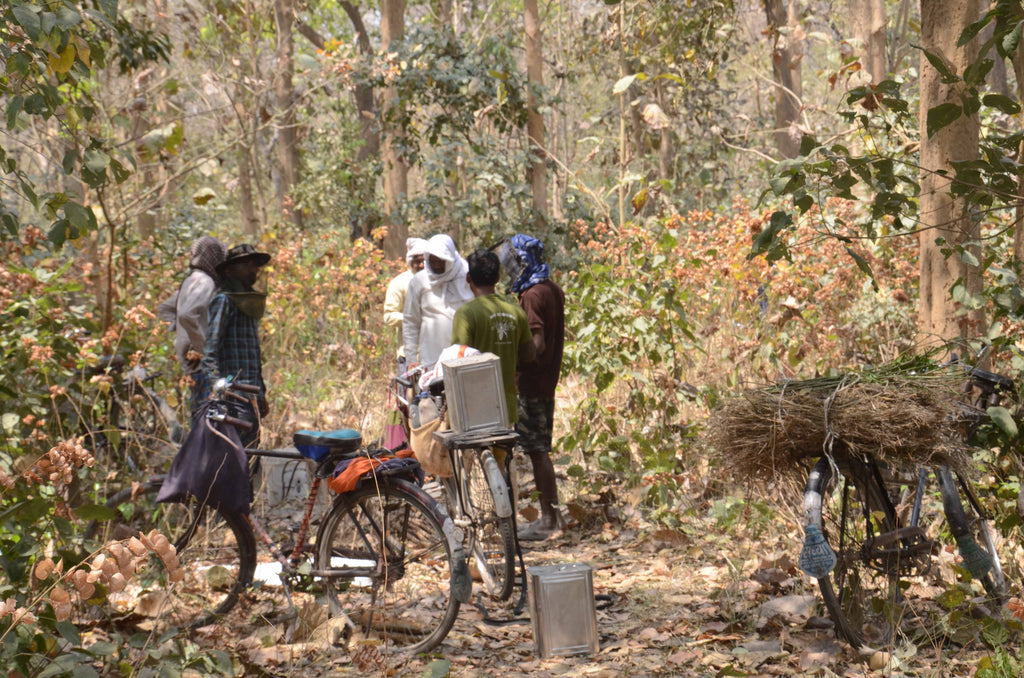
{"type": "Point", "coordinates": [430, 452]}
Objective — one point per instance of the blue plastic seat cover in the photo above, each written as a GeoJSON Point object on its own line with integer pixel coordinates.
{"type": "Point", "coordinates": [316, 445]}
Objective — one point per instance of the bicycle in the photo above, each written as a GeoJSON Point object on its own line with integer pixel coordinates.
{"type": "Point", "coordinates": [863, 547]}
{"type": "Point", "coordinates": [129, 421]}
{"type": "Point", "coordinates": [477, 494]}
{"type": "Point", "coordinates": [386, 555]}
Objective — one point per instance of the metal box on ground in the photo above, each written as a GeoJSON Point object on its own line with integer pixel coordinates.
{"type": "Point", "coordinates": [562, 609]}
{"type": "Point", "coordinates": [474, 393]}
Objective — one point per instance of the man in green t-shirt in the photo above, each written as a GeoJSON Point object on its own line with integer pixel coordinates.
{"type": "Point", "coordinates": [491, 323]}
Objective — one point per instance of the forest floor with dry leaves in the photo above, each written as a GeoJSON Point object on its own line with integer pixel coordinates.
{"type": "Point", "coordinates": [706, 598]}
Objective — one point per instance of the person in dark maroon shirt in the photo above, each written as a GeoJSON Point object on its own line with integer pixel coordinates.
{"type": "Point", "coordinates": [544, 303]}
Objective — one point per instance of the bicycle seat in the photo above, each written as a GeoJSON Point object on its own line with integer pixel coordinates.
{"type": "Point", "coordinates": [317, 445]}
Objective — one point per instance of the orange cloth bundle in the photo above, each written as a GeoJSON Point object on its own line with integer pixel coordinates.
{"type": "Point", "coordinates": [348, 478]}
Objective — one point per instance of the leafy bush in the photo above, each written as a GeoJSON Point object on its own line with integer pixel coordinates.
{"type": "Point", "coordinates": [664, 318]}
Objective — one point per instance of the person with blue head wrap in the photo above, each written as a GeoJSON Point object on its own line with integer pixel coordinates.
{"type": "Point", "coordinates": [531, 257]}
{"type": "Point", "coordinates": [536, 381]}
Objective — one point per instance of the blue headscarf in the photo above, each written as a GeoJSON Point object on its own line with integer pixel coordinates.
{"type": "Point", "coordinates": [531, 252]}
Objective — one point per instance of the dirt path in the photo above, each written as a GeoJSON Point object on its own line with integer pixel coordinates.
{"type": "Point", "coordinates": [693, 601]}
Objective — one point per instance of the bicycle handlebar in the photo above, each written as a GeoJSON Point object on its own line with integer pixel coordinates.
{"type": "Point", "coordinates": [228, 419]}
{"type": "Point", "coordinates": [990, 380]}
{"type": "Point", "coordinates": [222, 386]}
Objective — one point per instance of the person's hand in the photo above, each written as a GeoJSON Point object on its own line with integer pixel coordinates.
{"type": "Point", "coordinates": [264, 409]}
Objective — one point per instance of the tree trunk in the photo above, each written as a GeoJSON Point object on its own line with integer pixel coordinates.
{"type": "Point", "coordinates": [366, 108]}
{"type": "Point", "coordinates": [786, 58]}
{"type": "Point", "coordinates": [537, 171]}
{"type": "Point", "coordinates": [1018, 231]}
{"type": "Point", "coordinates": [250, 222]}
{"type": "Point", "coordinates": [946, 223]}
{"type": "Point", "coordinates": [869, 28]}
{"type": "Point", "coordinates": [363, 93]}
{"type": "Point", "coordinates": [396, 171]}
{"type": "Point", "coordinates": [287, 129]}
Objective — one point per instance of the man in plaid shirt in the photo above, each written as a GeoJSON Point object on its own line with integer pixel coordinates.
{"type": "Point", "coordinates": [232, 336]}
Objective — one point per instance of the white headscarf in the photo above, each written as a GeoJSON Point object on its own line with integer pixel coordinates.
{"type": "Point", "coordinates": [414, 247]}
{"type": "Point", "coordinates": [455, 270]}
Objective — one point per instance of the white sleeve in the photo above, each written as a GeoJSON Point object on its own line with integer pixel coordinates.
{"type": "Point", "coordinates": [411, 319]}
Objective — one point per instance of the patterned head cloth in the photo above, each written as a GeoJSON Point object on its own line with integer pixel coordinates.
{"type": "Point", "coordinates": [531, 254]}
{"type": "Point", "coordinates": [207, 254]}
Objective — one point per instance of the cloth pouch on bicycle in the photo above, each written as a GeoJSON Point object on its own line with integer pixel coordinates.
{"type": "Point", "coordinates": [431, 453]}
{"type": "Point", "coordinates": [349, 472]}
{"type": "Point", "coordinates": [210, 467]}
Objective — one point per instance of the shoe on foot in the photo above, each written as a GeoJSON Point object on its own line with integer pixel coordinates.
{"type": "Point", "coordinates": [537, 531]}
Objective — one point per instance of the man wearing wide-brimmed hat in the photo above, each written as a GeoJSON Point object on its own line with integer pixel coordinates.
{"type": "Point", "coordinates": [232, 338]}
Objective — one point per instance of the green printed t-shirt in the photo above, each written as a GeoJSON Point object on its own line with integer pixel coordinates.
{"type": "Point", "coordinates": [495, 324]}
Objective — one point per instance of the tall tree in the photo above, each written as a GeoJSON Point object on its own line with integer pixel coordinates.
{"type": "Point", "coordinates": [786, 59]}
{"type": "Point", "coordinates": [396, 169]}
{"type": "Point", "coordinates": [950, 232]}
{"type": "Point", "coordinates": [537, 171]}
{"type": "Point", "coordinates": [868, 17]}
{"type": "Point", "coordinates": [287, 125]}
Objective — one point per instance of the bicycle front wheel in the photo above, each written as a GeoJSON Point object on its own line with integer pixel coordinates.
{"type": "Point", "coordinates": [492, 541]}
{"type": "Point", "coordinates": [862, 594]}
{"type": "Point", "coordinates": [216, 553]}
{"type": "Point", "coordinates": [386, 565]}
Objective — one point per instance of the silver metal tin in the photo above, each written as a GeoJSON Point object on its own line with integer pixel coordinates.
{"type": "Point", "coordinates": [475, 393]}
{"type": "Point", "coordinates": [562, 609]}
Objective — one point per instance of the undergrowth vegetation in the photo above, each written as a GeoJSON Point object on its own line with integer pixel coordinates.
{"type": "Point", "coordinates": [665, 319]}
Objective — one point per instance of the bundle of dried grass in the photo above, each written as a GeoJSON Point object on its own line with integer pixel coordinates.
{"type": "Point", "coordinates": [904, 417]}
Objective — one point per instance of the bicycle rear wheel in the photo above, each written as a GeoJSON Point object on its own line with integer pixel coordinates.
{"type": "Point", "coordinates": [386, 566]}
{"type": "Point", "coordinates": [216, 552]}
{"type": "Point", "coordinates": [973, 537]}
{"type": "Point", "coordinates": [492, 542]}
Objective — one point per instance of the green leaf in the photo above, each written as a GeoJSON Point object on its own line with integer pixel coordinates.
{"type": "Point", "coordinates": [1004, 420]}
{"type": "Point", "coordinates": [68, 17]}
{"type": "Point", "coordinates": [972, 30]}
{"type": "Point", "coordinates": [60, 232]}
{"type": "Point", "coordinates": [767, 239]}
{"type": "Point", "coordinates": [69, 161]}
{"type": "Point", "coordinates": [1011, 40]}
{"type": "Point", "coordinates": [938, 63]}
{"type": "Point", "coordinates": [14, 107]}
{"type": "Point", "coordinates": [28, 17]}
{"type": "Point", "coordinates": [80, 217]}
{"type": "Point", "coordinates": [976, 72]}
{"type": "Point", "coordinates": [96, 161]}
{"type": "Point", "coordinates": [864, 266]}
{"type": "Point", "coordinates": [1001, 103]}
{"type": "Point", "coordinates": [807, 144]}
{"type": "Point", "coordinates": [942, 115]}
{"type": "Point", "coordinates": [90, 512]}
